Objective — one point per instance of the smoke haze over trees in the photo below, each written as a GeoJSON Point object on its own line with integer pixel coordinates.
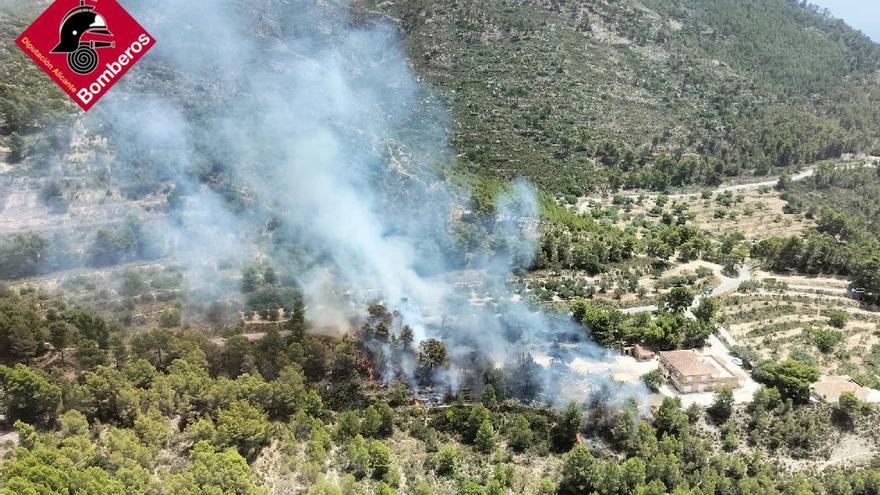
{"type": "Point", "coordinates": [303, 135]}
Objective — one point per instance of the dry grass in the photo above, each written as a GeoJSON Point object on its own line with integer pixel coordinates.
{"type": "Point", "coordinates": [775, 321]}
{"type": "Point", "coordinates": [756, 212]}
{"type": "Point", "coordinates": [757, 215]}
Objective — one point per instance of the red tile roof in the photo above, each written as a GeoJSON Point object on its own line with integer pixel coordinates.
{"type": "Point", "coordinates": [688, 363]}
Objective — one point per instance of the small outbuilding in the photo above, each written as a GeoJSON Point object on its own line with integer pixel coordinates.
{"type": "Point", "coordinates": [640, 353]}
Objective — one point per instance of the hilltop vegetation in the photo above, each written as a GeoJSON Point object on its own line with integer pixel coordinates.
{"type": "Point", "coordinates": [584, 95]}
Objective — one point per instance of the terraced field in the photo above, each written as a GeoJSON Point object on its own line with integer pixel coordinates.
{"type": "Point", "coordinates": [777, 317]}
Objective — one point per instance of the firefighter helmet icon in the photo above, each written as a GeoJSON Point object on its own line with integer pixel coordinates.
{"type": "Point", "coordinates": [80, 22]}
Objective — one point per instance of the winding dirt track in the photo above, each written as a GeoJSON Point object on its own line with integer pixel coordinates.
{"type": "Point", "coordinates": [728, 284]}
{"type": "Point", "coordinates": [869, 161]}
{"type": "Point", "coordinates": [583, 203]}
{"type": "Point", "coordinates": [807, 172]}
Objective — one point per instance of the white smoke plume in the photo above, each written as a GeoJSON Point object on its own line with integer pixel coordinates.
{"type": "Point", "coordinates": [327, 135]}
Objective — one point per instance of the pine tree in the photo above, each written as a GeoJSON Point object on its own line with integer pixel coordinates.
{"type": "Point", "coordinates": [485, 439]}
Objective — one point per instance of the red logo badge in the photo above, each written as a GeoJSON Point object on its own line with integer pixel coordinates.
{"type": "Point", "coordinates": [85, 46]}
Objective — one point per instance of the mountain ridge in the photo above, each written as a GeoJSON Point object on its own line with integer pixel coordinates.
{"type": "Point", "coordinates": [561, 91]}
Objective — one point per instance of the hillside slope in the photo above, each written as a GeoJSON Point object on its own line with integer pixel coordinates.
{"type": "Point", "coordinates": [562, 91]}
{"type": "Point", "coordinates": [581, 95]}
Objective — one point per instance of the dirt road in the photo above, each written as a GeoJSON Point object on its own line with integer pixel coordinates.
{"type": "Point", "coordinates": [803, 174]}
{"type": "Point", "coordinates": [728, 284]}
{"type": "Point", "coordinates": [583, 205]}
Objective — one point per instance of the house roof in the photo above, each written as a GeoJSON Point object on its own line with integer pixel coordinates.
{"type": "Point", "coordinates": [689, 363]}
{"type": "Point", "coordinates": [829, 388]}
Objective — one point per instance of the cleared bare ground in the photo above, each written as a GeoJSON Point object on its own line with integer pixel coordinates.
{"type": "Point", "coordinates": [757, 213]}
